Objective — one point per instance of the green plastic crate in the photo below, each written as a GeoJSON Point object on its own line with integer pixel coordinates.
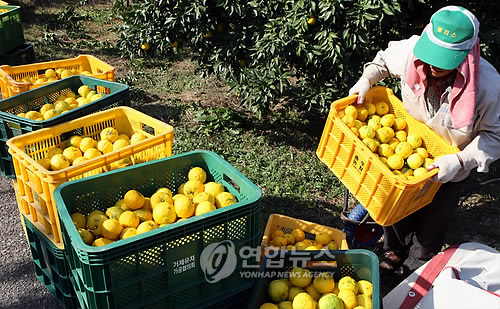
{"type": "Point", "coordinates": [51, 267]}
{"type": "Point", "coordinates": [360, 264]}
{"type": "Point", "coordinates": [11, 28]}
{"type": "Point", "coordinates": [116, 94]}
{"type": "Point", "coordinates": [140, 272]}
{"type": "Point", "coordinates": [23, 54]}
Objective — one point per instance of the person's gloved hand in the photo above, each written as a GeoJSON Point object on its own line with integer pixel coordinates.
{"type": "Point", "coordinates": [449, 166]}
{"type": "Point", "coordinates": [361, 88]}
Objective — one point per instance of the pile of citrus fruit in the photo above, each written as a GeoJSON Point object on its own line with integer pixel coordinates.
{"type": "Point", "coordinates": [304, 290]}
{"type": "Point", "coordinates": [386, 136]}
{"type": "Point", "coordinates": [51, 75]}
{"type": "Point", "coordinates": [296, 240]}
{"type": "Point", "coordinates": [135, 214]}
{"type": "Point", "coordinates": [78, 149]}
{"type": "Point", "coordinates": [63, 103]}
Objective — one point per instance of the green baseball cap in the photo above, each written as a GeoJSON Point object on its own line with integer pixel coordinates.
{"type": "Point", "coordinates": [448, 38]}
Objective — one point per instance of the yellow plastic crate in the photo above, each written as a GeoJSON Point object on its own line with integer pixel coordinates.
{"type": "Point", "coordinates": [36, 184]}
{"type": "Point", "coordinates": [387, 197]}
{"type": "Point", "coordinates": [288, 224]}
{"type": "Point", "coordinates": [11, 76]}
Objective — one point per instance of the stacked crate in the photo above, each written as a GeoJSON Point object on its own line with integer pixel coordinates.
{"type": "Point", "coordinates": [13, 48]}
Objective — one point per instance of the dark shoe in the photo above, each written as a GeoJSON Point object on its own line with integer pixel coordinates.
{"type": "Point", "coordinates": [391, 262]}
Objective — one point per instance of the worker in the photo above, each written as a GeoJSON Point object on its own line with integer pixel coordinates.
{"type": "Point", "coordinates": [449, 87]}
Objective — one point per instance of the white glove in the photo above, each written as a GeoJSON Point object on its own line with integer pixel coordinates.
{"type": "Point", "coordinates": [448, 165]}
{"type": "Point", "coordinates": [361, 88]}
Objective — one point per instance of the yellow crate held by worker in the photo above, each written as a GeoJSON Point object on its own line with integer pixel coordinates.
{"type": "Point", "coordinates": [18, 79]}
{"type": "Point", "coordinates": [388, 197]}
{"type": "Point", "coordinates": [36, 184]}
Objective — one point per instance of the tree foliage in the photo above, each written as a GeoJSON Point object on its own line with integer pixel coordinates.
{"type": "Point", "coordinates": [306, 51]}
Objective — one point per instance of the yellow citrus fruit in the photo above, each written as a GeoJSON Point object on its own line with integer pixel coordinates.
{"type": "Point", "coordinates": [143, 214]}
{"type": "Point", "coordinates": [279, 241]}
{"type": "Point", "coordinates": [79, 160]}
{"type": "Point", "coordinates": [50, 73]}
{"type": "Point", "coordinates": [133, 199]}
{"type": "Point", "coordinates": [349, 120]}
{"type": "Point", "coordinates": [79, 220]}
{"type": "Point", "coordinates": [109, 134]}
{"type": "Point", "coordinates": [184, 208]}
{"type": "Point", "coordinates": [71, 101]}
{"type": "Point", "coordinates": [407, 171]}
{"type": "Point", "coordinates": [303, 301]}
{"type": "Point", "coordinates": [86, 143]}
{"type": "Point", "coordinates": [366, 132]}
{"type": "Point", "coordinates": [293, 291]}
{"type": "Point", "coordinates": [46, 107]}
{"type": "Point", "coordinates": [365, 287]}
{"type": "Point", "coordinates": [59, 162]}
{"type": "Point", "coordinates": [300, 246]}
{"type": "Point", "coordinates": [395, 162]}
{"type": "Point", "coordinates": [61, 106]}
{"type": "Point", "coordinates": [422, 151]}
{"type": "Point", "coordinates": [324, 283]}
{"type": "Point", "coordinates": [362, 113]}
{"type": "Point", "coordinates": [128, 232]}
{"type": "Point", "coordinates": [86, 236]}
{"type": "Point", "coordinates": [278, 290]}
{"type": "Point", "coordinates": [203, 196]}
{"type": "Point", "coordinates": [323, 238]}
{"type": "Point", "coordinates": [374, 123]}
{"type": "Point", "coordinates": [365, 301]}
{"type": "Point", "coordinates": [81, 101]}
{"type": "Point", "coordinates": [104, 146]}
{"type": "Point", "coordinates": [268, 306]}
{"type": "Point", "coordinates": [401, 135]}
{"type": "Point", "coordinates": [119, 144]}
{"type": "Point", "coordinates": [204, 207]}
{"type": "Point", "coordinates": [90, 94]}
{"type": "Point", "coordinates": [50, 114]}
{"type": "Point", "coordinates": [290, 239]}
{"type": "Point", "coordinates": [420, 171]}
{"type": "Point", "coordinates": [160, 197]}
{"type": "Point", "coordinates": [164, 190]}
{"type": "Point", "coordinates": [285, 305]}
{"type": "Point", "coordinates": [197, 173]}
{"type": "Point", "coordinates": [387, 120]}
{"type": "Point", "coordinates": [92, 153]}
{"type": "Point", "coordinates": [146, 226]}
{"type": "Point", "coordinates": [298, 234]}
{"type": "Point", "coordinates": [84, 90]}
{"type": "Point", "coordinates": [311, 248]}
{"type": "Point", "coordinates": [311, 290]}
{"type": "Point", "coordinates": [137, 137]}
{"type": "Point", "coordinates": [381, 108]}
{"type": "Point", "coordinates": [145, 46]}
{"type": "Point", "coordinates": [330, 301]}
{"type": "Point", "coordinates": [114, 212]}
{"type": "Point", "coordinates": [415, 160]}
{"type": "Point", "coordinates": [225, 199]}
{"type": "Point", "coordinates": [393, 142]}
{"type": "Point", "coordinates": [355, 131]}
{"type": "Point", "coordinates": [351, 110]}
{"type": "Point", "coordinates": [96, 97]}
{"type": "Point", "coordinates": [129, 219]}
{"type": "Point", "coordinates": [94, 223]}
{"type": "Point", "coordinates": [427, 162]}
{"type": "Point", "coordinates": [348, 298]}
{"type": "Point", "coordinates": [164, 213]}
{"type": "Point", "coordinates": [147, 204]}
{"type": "Point", "coordinates": [384, 134]}
{"type": "Point", "coordinates": [300, 277]}
{"type": "Point", "coordinates": [180, 190]}
{"type": "Point", "coordinates": [404, 149]}
{"type": "Point", "coordinates": [214, 188]}
{"type": "Point", "coordinates": [384, 150]}
{"type": "Point", "coordinates": [347, 282]}
{"type": "Point", "coordinates": [371, 143]}
{"type": "Point", "coordinates": [66, 73]}
{"type": "Point", "coordinates": [332, 245]}
{"type": "Point", "coordinates": [193, 187]}
{"type": "Point", "coordinates": [370, 107]}
{"type": "Point", "coordinates": [399, 124]}
{"type": "Point", "coordinates": [276, 233]}
{"type": "Point", "coordinates": [53, 151]}
{"type": "Point", "coordinates": [99, 242]}
{"type": "Point", "coordinates": [111, 229]}
{"type": "Point", "coordinates": [414, 140]}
